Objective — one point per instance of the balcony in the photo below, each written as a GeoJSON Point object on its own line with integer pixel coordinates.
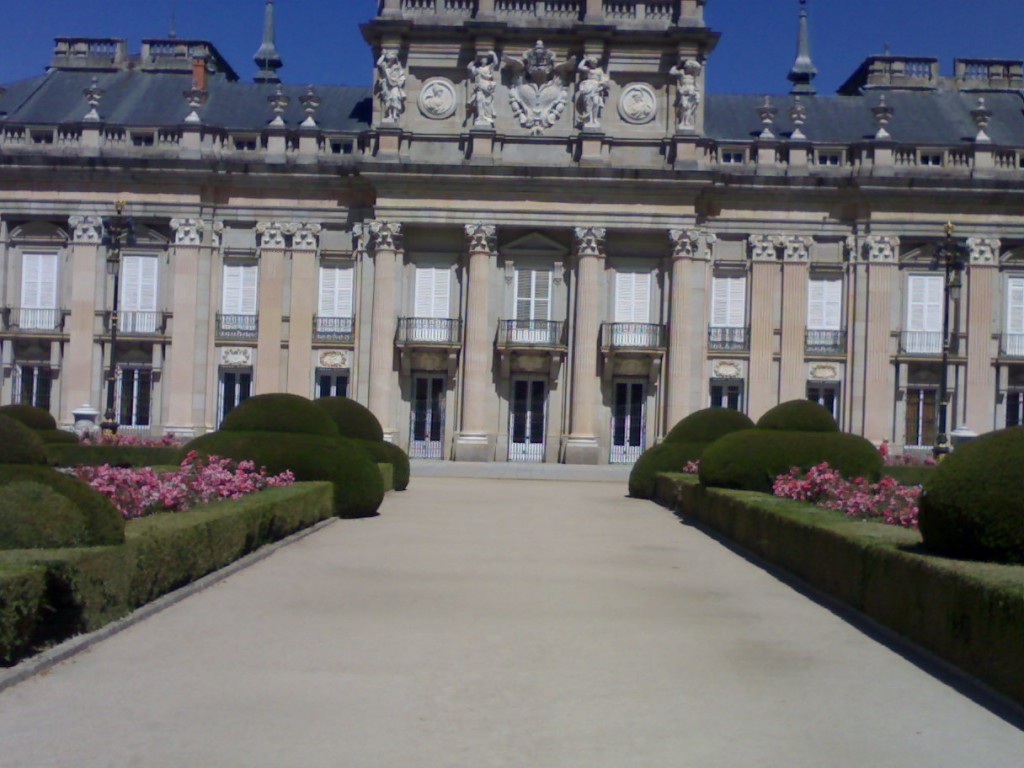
{"type": "Point", "coordinates": [650, 336]}
{"type": "Point", "coordinates": [333, 330]}
{"type": "Point", "coordinates": [531, 333]}
{"type": "Point", "coordinates": [29, 320]}
{"type": "Point", "coordinates": [133, 323]}
{"type": "Point", "coordinates": [1012, 345]}
{"type": "Point", "coordinates": [429, 331]}
{"type": "Point", "coordinates": [927, 343]}
{"type": "Point", "coordinates": [237, 327]}
{"type": "Point", "coordinates": [825, 342]}
{"type": "Point", "coordinates": [728, 339]}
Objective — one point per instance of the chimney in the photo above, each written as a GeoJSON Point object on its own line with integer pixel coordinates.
{"type": "Point", "coordinates": [199, 72]}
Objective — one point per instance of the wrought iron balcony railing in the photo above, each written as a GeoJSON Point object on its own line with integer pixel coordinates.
{"type": "Point", "coordinates": [31, 320]}
{"type": "Point", "coordinates": [531, 333]}
{"type": "Point", "coordinates": [137, 323]}
{"type": "Point", "coordinates": [824, 342]}
{"type": "Point", "coordinates": [234, 327]}
{"type": "Point", "coordinates": [921, 342]}
{"type": "Point", "coordinates": [429, 330]}
{"type": "Point", "coordinates": [727, 338]}
{"type": "Point", "coordinates": [339, 330]}
{"type": "Point", "coordinates": [633, 335]}
{"type": "Point", "coordinates": [1012, 344]}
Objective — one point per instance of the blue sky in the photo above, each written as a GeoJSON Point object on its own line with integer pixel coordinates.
{"type": "Point", "coordinates": [320, 39]}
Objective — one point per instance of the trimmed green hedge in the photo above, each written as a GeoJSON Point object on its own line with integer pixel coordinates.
{"type": "Point", "coordinates": [19, 444]}
{"type": "Point", "coordinates": [358, 487]}
{"type": "Point", "coordinates": [115, 455]}
{"type": "Point", "coordinates": [281, 413]}
{"type": "Point", "coordinates": [57, 437]}
{"type": "Point", "coordinates": [707, 425]}
{"type": "Point", "coordinates": [664, 457]}
{"type": "Point", "coordinates": [798, 416]}
{"type": "Point", "coordinates": [973, 504]}
{"type": "Point", "coordinates": [32, 417]}
{"type": "Point", "coordinates": [751, 460]}
{"type": "Point", "coordinates": [33, 516]}
{"type": "Point", "coordinates": [970, 614]}
{"type": "Point", "coordinates": [50, 595]}
{"type": "Point", "coordinates": [909, 474]}
{"type": "Point", "coordinates": [353, 419]}
{"type": "Point", "coordinates": [389, 453]}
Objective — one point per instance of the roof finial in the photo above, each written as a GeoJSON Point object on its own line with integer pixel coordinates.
{"type": "Point", "coordinates": [803, 71]}
{"type": "Point", "coordinates": [267, 57]}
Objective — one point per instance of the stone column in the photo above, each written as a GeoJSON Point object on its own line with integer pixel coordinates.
{"type": "Point", "coordinates": [581, 446]}
{"type": "Point", "coordinates": [303, 307]}
{"type": "Point", "coordinates": [594, 11]}
{"type": "Point", "coordinates": [688, 323]}
{"type": "Point", "coordinates": [476, 442]}
{"type": "Point", "coordinates": [385, 239]}
{"type": "Point", "coordinates": [982, 276]}
{"type": "Point", "coordinates": [879, 374]}
{"type": "Point", "coordinates": [485, 9]}
{"type": "Point", "coordinates": [792, 369]}
{"type": "Point", "coordinates": [180, 380]}
{"type": "Point", "coordinates": [80, 373]}
{"type": "Point", "coordinates": [761, 384]}
{"type": "Point", "coordinates": [270, 300]}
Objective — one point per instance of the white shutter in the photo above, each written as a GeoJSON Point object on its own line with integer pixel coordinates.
{"type": "Point", "coordinates": [533, 294]}
{"type": "Point", "coordinates": [633, 297]}
{"type": "Point", "coordinates": [824, 305]}
{"type": "Point", "coordinates": [138, 283]}
{"type": "Point", "coordinates": [39, 280]}
{"type": "Point", "coordinates": [335, 291]}
{"type": "Point", "coordinates": [250, 288]}
{"type": "Point", "coordinates": [924, 305]}
{"type": "Point", "coordinates": [432, 292]}
{"type": "Point", "coordinates": [240, 287]}
{"type": "Point", "coordinates": [729, 302]}
{"type": "Point", "coordinates": [1015, 305]}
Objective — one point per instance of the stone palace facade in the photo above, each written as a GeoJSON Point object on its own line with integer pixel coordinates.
{"type": "Point", "coordinates": [535, 238]}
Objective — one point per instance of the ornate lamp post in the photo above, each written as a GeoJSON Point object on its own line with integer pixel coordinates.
{"type": "Point", "coordinates": [117, 231]}
{"type": "Point", "coordinates": [952, 256]}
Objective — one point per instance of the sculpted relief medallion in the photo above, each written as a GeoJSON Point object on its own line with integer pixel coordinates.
{"type": "Point", "coordinates": [638, 104]}
{"type": "Point", "coordinates": [539, 90]}
{"type": "Point", "coordinates": [437, 99]}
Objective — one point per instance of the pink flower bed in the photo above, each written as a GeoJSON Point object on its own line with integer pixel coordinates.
{"type": "Point", "coordinates": [142, 491]}
{"type": "Point", "coordinates": [886, 501]}
{"type": "Point", "coordinates": [132, 440]}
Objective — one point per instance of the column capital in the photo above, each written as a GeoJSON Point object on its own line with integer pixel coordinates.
{"type": "Point", "coordinates": [796, 248]}
{"type": "Point", "coordinates": [86, 229]}
{"type": "Point", "coordinates": [188, 231]}
{"type": "Point", "coordinates": [384, 235]}
{"type": "Point", "coordinates": [272, 233]}
{"type": "Point", "coordinates": [589, 241]}
{"type": "Point", "coordinates": [763, 247]}
{"type": "Point", "coordinates": [306, 236]}
{"type": "Point", "coordinates": [686, 243]}
{"type": "Point", "coordinates": [481, 238]}
{"type": "Point", "coordinates": [984, 251]}
{"type": "Point", "coordinates": [882, 249]}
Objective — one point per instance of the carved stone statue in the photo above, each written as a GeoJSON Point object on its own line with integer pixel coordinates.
{"type": "Point", "coordinates": [484, 71]}
{"type": "Point", "coordinates": [391, 86]}
{"type": "Point", "coordinates": [688, 94]}
{"type": "Point", "coordinates": [593, 92]}
{"type": "Point", "coordinates": [539, 89]}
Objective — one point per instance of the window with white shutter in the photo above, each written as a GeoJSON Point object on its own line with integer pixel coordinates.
{"type": "Point", "coordinates": [335, 291]}
{"type": "Point", "coordinates": [533, 294]}
{"type": "Point", "coordinates": [138, 301]}
{"type": "Point", "coordinates": [633, 297]}
{"type": "Point", "coordinates": [824, 304]}
{"type": "Point", "coordinates": [729, 301]}
{"type": "Point", "coordinates": [1013, 343]}
{"type": "Point", "coordinates": [38, 291]}
{"type": "Point", "coordinates": [923, 331]}
{"type": "Point", "coordinates": [433, 297]}
{"type": "Point", "coordinates": [240, 286]}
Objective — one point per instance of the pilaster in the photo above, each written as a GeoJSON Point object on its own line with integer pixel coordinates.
{"type": "Point", "coordinates": [475, 443]}
{"type": "Point", "coordinates": [796, 253]}
{"type": "Point", "coordinates": [762, 386]}
{"type": "Point", "coordinates": [385, 242]}
{"type": "Point", "coordinates": [80, 373]}
{"type": "Point", "coordinates": [982, 277]}
{"type": "Point", "coordinates": [269, 374]}
{"type": "Point", "coordinates": [305, 242]}
{"type": "Point", "coordinates": [187, 247]}
{"type": "Point", "coordinates": [882, 255]}
{"type": "Point", "coordinates": [688, 322]}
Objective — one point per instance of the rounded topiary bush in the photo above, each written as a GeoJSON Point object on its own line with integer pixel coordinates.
{"type": "Point", "coordinates": [57, 436]}
{"type": "Point", "coordinates": [33, 516]}
{"type": "Point", "coordinates": [30, 416]}
{"type": "Point", "coordinates": [103, 524]}
{"type": "Point", "coordinates": [279, 412]}
{"type": "Point", "coordinates": [384, 452]}
{"type": "Point", "coordinates": [799, 416]}
{"type": "Point", "coordinates": [352, 419]}
{"type": "Point", "coordinates": [19, 444]}
{"type": "Point", "coordinates": [664, 457]}
{"type": "Point", "coordinates": [972, 505]}
{"type": "Point", "coordinates": [751, 460]}
{"type": "Point", "coordinates": [358, 487]}
{"type": "Point", "coordinates": [708, 425]}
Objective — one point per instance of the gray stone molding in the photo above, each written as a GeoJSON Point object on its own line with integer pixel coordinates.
{"type": "Point", "coordinates": [691, 243]}
{"type": "Point", "coordinates": [984, 251]}
{"type": "Point", "coordinates": [385, 235]}
{"type": "Point", "coordinates": [437, 100]}
{"type": "Point", "coordinates": [590, 241]}
{"type": "Point", "coordinates": [306, 236]}
{"type": "Point", "coordinates": [884, 249]}
{"type": "Point", "coordinates": [188, 231]}
{"type": "Point", "coordinates": [481, 237]}
{"type": "Point", "coordinates": [638, 104]}
{"type": "Point", "coordinates": [763, 247]}
{"type": "Point", "coordinates": [86, 229]}
{"type": "Point", "coordinates": [217, 236]}
{"type": "Point", "coordinates": [272, 233]}
{"type": "Point", "coordinates": [539, 91]}
{"type": "Point", "coordinates": [797, 248]}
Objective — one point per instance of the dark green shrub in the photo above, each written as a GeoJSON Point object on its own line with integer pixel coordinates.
{"type": "Point", "coordinates": [384, 452]}
{"type": "Point", "coordinates": [279, 412]}
{"type": "Point", "coordinates": [708, 425]}
{"type": "Point", "coordinates": [19, 444]}
{"type": "Point", "coordinates": [751, 460]}
{"type": "Point", "coordinates": [352, 419]}
{"type": "Point", "coordinates": [799, 416]}
{"type": "Point", "coordinates": [33, 516]}
{"type": "Point", "coordinates": [664, 457]}
{"type": "Point", "coordinates": [57, 437]}
{"type": "Point", "coordinates": [30, 416]}
{"type": "Point", "coordinates": [103, 523]}
{"type": "Point", "coordinates": [909, 474]}
{"type": "Point", "coordinates": [60, 455]}
{"type": "Point", "coordinates": [358, 488]}
{"type": "Point", "coordinates": [973, 504]}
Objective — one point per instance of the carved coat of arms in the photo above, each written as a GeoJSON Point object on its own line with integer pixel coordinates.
{"type": "Point", "coordinates": [539, 90]}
